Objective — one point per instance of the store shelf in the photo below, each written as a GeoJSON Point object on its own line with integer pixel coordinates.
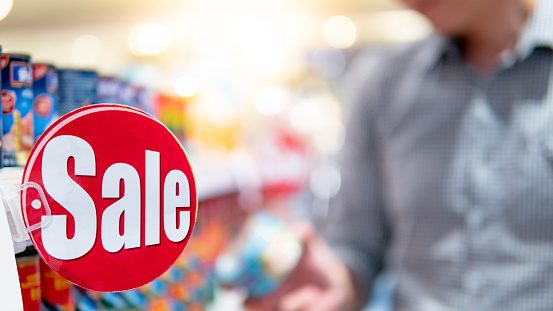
{"type": "Point", "coordinates": [213, 180]}
{"type": "Point", "coordinates": [12, 175]}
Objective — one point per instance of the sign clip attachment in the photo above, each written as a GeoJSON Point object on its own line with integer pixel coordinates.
{"type": "Point", "coordinates": [10, 199]}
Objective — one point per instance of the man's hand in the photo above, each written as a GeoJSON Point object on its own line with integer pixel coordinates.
{"type": "Point", "coordinates": [320, 282]}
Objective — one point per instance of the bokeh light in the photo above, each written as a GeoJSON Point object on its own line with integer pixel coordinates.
{"type": "Point", "coordinates": [5, 8]}
{"type": "Point", "coordinates": [395, 26]}
{"type": "Point", "coordinates": [149, 39]}
{"type": "Point", "coordinates": [271, 100]}
{"type": "Point", "coordinates": [339, 31]}
{"type": "Point", "coordinates": [259, 44]}
{"type": "Point", "coordinates": [187, 86]}
{"type": "Point", "coordinates": [306, 116]}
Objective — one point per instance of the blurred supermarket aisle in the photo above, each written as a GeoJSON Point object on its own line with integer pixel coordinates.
{"type": "Point", "coordinates": [256, 92]}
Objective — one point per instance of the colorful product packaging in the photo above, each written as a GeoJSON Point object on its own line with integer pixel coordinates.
{"type": "Point", "coordinates": [56, 291]}
{"type": "Point", "coordinates": [127, 94]}
{"type": "Point", "coordinates": [1, 127]}
{"type": "Point", "coordinates": [85, 300]}
{"type": "Point", "coordinates": [45, 105]}
{"type": "Point", "coordinates": [77, 88]}
{"type": "Point", "coordinates": [17, 103]}
{"type": "Point", "coordinates": [108, 90]}
{"type": "Point", "coordinates": [113, 301]}
{"type": "Point", "coordinates": [145, 100]}
{"type": "Point", "coordinates": [29, 278]}
{"type": "Point", "coordinates": [135, 299]}
{"type": "Point", "coordinates": [172, 113]}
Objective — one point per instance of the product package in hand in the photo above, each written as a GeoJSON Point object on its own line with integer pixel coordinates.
{"type": "Point", "coordinates": [261, 258]}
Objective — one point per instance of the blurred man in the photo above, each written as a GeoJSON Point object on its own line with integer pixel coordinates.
{"type": "Point", "coordinates": [447, 176]}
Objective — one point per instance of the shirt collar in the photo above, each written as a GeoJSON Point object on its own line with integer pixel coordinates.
{"type": "Point", "coordinates": [435, 48]}
{"type": "Point", "coordinates": [538, 32]}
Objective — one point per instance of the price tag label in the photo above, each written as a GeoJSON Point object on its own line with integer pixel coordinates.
{"type": "Point", "coordinates": [122, 195]}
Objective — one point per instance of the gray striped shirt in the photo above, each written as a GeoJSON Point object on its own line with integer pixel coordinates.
{"type": "Point", "coordinates": [447, 177]}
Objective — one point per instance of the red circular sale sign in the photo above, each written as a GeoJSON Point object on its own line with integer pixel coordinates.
{"type": "Point", "coordinates": [122, 197]}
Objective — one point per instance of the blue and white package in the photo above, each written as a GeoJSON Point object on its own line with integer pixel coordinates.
{"type": "Point", "coordinates": [107, 89]}
{"type": "Point", "coordinates": [77, 88]}
{"type": "Point", "coordinates": [145, 100]}
{"type": "Point", "coordinates": [127, 94]}
{"type": "Point", "coordinates": [45, 89]}
{"type": "Point", "coordinates": [17, 103]}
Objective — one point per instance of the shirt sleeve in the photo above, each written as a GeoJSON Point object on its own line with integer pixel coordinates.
{"type": "Point", "coordinates": [357, 229]}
